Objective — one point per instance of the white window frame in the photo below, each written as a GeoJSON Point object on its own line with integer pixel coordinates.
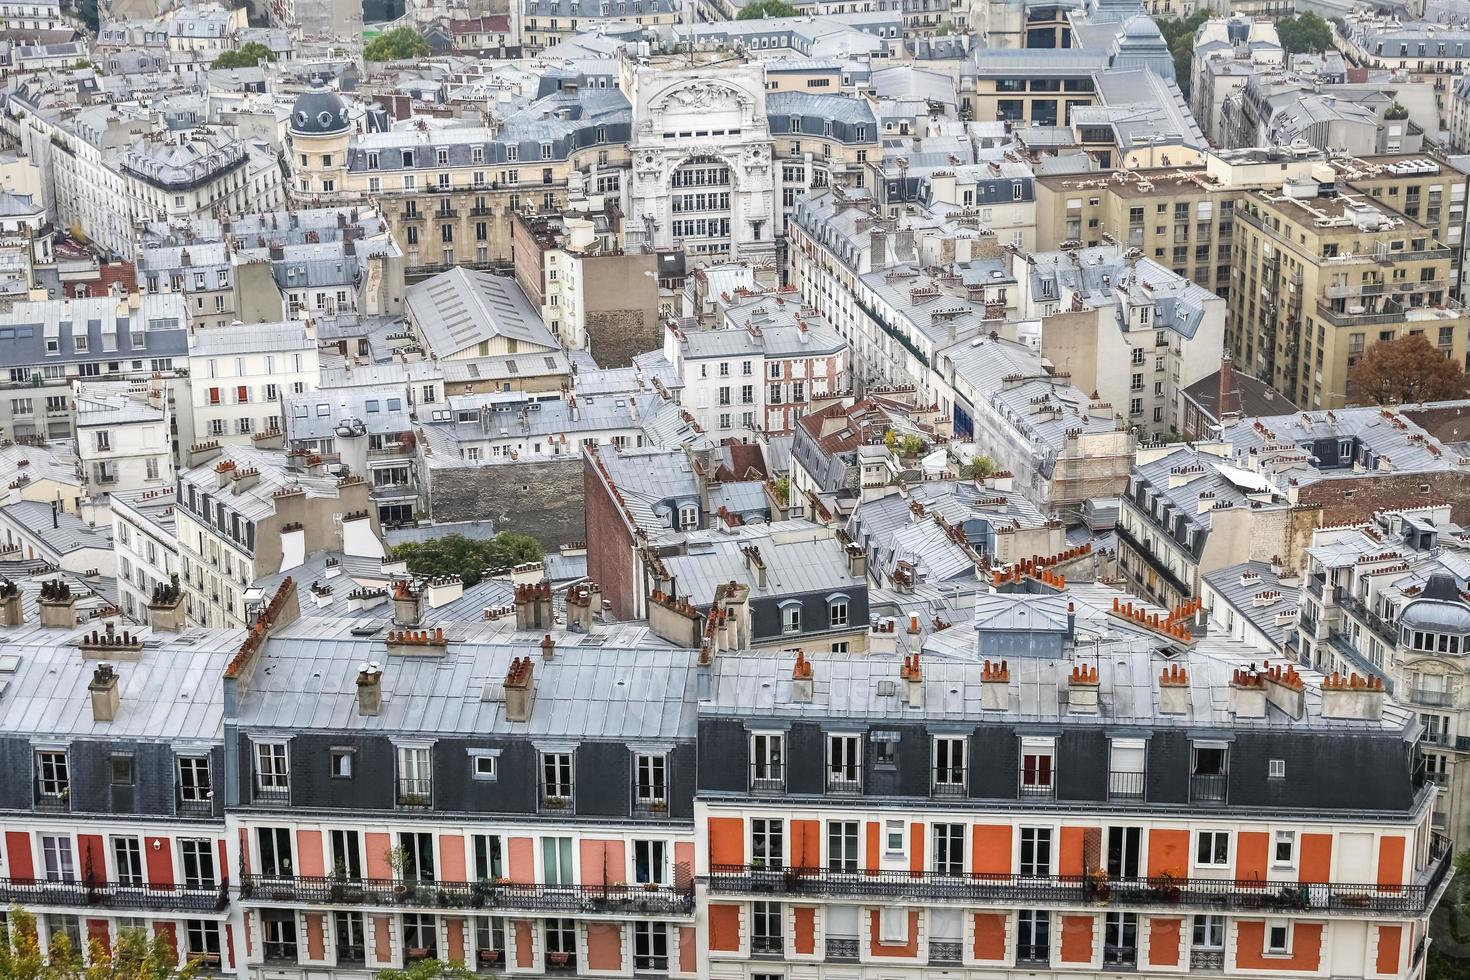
{"type": "Point", "coordinates": [1214, 837]}
{"type": "Point", "coordinates": [1283, 949]}
{"type": "Point", "coordinates": [1287, 838]}
{"type": "Point", "coordinates": [273, 778]}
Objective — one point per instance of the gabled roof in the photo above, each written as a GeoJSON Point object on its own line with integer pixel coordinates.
{"type": "Point", "coordinates": [457, 310]}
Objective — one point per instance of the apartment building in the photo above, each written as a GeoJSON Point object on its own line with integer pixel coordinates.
{"type": "Point", "coordinates": [771, 359]}
{"type": "Point", "coordinates": [241, 374]}
{"type": "Point", "coordinates": [548, 830]}
{"type": "Point", "coordinates": [33, 15]}
{"type": "Point", "coordinates": [1382, 596]}
{"type": "Point", "coordinates": [243, 514]}
{"type": "Point", "coordinates": [125, 436]}
{"type": "Point", "coordinates": [449, 192]}
{"type": "Point", "coordinates": [849, 819]}
{"type": "Point", "coordinates": [368, 430]}
{"type": "Point", "coordinates": [146, 540]}
{"type": "Point", "coordinates": [548, 22]}
{"type": "Point", "coordinates": [109, 817]}
{"type": "Point", "coordinates": [52, 343]}
{"type": "Point", "coordinates": [1321, 274]}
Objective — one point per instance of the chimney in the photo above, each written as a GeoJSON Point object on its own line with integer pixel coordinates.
{"type": "Point", "coordinates": [104, 693]}
{"type": "Point", "coordinates": [1353, 697]}
{"type": "Point", "coordinates": [11, 611]}
{"type": "Point", "coordinates": [548, 647]}
{"type": "Point", "coordinates": [995, 686]}
{"type": "Point", "coordinates": [912, 673]}
{"type": "Point", "coordinates": [877, 250]}
{"type": "Point", "coordinates": [444, 590]}
{"type": "Point", "coordinates": [520, 689]}
{"type": "Point", "coordinates": [1174, 691]}
{"type": "Point", "coordinates": [1285, 689]}
{"type": "Point", "coordinates": [1248, 693]}
{"type": "Point", "coordinates": [580, 606]}
{"type": "Point", "coordinates": [405, 604]}
{"type": "Point", "coordinates": [166, 608]}
{"type": "Point", "coordinates": [369, 688]}
{"type": "Point", "coordinates": [756, 564]}
{"type": "Point", "coordinates": [1082, 689]}
{"type": "Point", "coordinates": [801, 679]}
{"type": "Point", "coordinates": [857, 561]}
{"type": "Point", "coordinates": [58, 605]}
{"type": "Point", "coordinates": [1229, 390]}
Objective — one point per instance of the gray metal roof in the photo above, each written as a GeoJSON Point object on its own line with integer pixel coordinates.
{"type": "Point", "coordinates": [458, 309]}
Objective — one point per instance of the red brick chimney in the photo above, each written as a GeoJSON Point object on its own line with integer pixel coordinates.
{"type": "Point", "coordinates": [1229, 390]}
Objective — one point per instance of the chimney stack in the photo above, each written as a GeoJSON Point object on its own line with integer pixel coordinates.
{"type": "Point", "coordinates": [995, 686]}
{"type": "Point", "coordinates": [857, 561]}
{"type": "Point", "coordinates": [1082, 688]}
{"type": "Point", "coordinates": [548, 647]}
{"type": "Point", "coordinates": [582, 601]}
{"type": "Point", "coordinates": [1248, 693]}
{"type": "Point", "coordinates": [1174, 691]}
{"type": "Point", "coordinates": [58, 605]}
{"type": "Point", "coordinates": [405, 604]}
{"type": "Point", "coordinates": [166, 607]}
{"type": "Point", "coordinates": [11, 611]}
{"type": "Point", "coordinates": [520, 689]}
{"type": "Point", "coordinates": [104, 693]}
{"type": "Point", "coordinates": [1353, 697]}
{"type": "Point", "coordinates": [801, 679]}
{"type": "Point", "coordinates": [369, 689]}
{"type": "Point", "coordinates": [912, 674]}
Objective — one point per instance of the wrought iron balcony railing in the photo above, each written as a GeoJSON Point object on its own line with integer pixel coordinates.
{"type": "Point", "coordinates": [630, 900]}
{"type": "Point", "coordinates": [34, 893]}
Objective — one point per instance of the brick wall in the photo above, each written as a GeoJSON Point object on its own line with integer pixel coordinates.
{"type": "Point", "coordinates": [539, 498]}
{"type": "Point", "coordinates": [609, 546]}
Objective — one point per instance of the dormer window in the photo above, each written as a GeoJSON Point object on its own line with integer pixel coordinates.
{"type": "Point", "coordinates": [688, 518]}
{"type": "Point", "coordinates": [791, 616]}
{"type": "Point", "coordinates": [837, 611]}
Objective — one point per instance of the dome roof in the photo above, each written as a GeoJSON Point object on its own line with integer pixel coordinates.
{"type": "Point", "coordinates": [1438, 609]}
{"type": "Point", "coordinates": [319, 112]}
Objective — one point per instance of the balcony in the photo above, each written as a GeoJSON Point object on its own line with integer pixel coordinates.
{"type": "Point", "coordinates": [842, 949]}
{"type": "Point", "coordinates": [54, 802]}
{"type": "Point", "coordinates": [414, 794]}
{"type": "Point", "coordinates": [944, 952]}
{"type": "Point", "coordinates": [1208, 788]}
{"type": "Point", "coordinates": [767, 946]}
{"type": "Point", "coordinates": [844, 783]}
{"type": "Point", "coordinates": [621, 901]}
{"type": "Point", "coordinates": [948, 784]}
{"type": "Point", "coordinates": [767, 779]}
{"type": "Point", "coordinates": [1432, 699]}
{"type": "Point", "coordinates": [1212, 960]}
{"type": "Point", "coordinates": [1024, 891]}
{"type": "Point", "coordinates": [645, 805]}
{"type": "Point", "coordinates": [1125, 786]}
{"type": "Point", "coordinates": [32, 894]}
{"type": "Point", "coordinates": [1038, 791]}
{"type": "Point", "coordinates": [273, 795]}
{"type": "Point", "coordinates": [1385, 630]}
{"type": "Point", "coordinates": [1037, 954]}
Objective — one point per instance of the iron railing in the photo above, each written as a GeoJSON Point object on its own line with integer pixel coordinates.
{"type": "Point", "coordinates": [1207, 959]}
{"type": "Point", "coordinates": [635, 899]}
{"type": "Point", "coordinates": [842, 949]}
{"type": "Point", "coordinates": [33, 893]}
{"type": "Point", "coordinates": [945, 951]}
{"type": "Point", "coordinates": [1029, 891]}
{"type": "Point", "coordinates": [1125, 785]}
{"type": "Point", "coordinates": [1207, 788]}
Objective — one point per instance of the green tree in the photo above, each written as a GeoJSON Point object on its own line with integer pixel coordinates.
{"type": "Point", "coordinates": [766, 8]}
{"type": "Point", "coordinates": [430, 969]}
{"type": "Point", "coordinates": [1304, 33]}
{"type": "Point", "coordinates": [247, 56]}
{"type": "Point", "coordinates": [396, 45]}
{"type": "Point", "coordinates": [133, 956]}
{"type": "Point", "coordinates": [1179, 36]}
{"type": "Point", "coordinates": [978, 468]}
{"type": "Point", "coordinates": [455, 554]}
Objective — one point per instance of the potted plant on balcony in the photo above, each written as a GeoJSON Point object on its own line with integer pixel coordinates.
{"type": "Point", "coordinates": [489, 956]}
{"type": "Point", "coordinates": [212, 960]}
{"type": "Point", "coordinates": [558, 958]}
{"type": "Point", "coordinates": [659, 806]}
{"type": "Point", "coordinates": [1166, 888]}
{"type": "Point", "coordinates": [1098, 885]}
{"type": "Point", "coordinates": [338, 887]}
{"type": "Point", "coordinates": [398, 861]}
{"type": "Point", "coordinates": [479, 891]}
{"type": "Point", "coordinates": [418, 953]}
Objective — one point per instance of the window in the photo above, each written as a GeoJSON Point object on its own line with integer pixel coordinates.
{"type": "Point", "coordinates": [1278, 937]}
{"type": "Point", "coordinates": [484, 766]}
{"type": "Point", "coordinates": [489, 941]}
{"type": "Point", "coordinates": [1276, 769]}
{"type": "Point", "coordinates": [837, 611]}
{"type": "Point", "coordinates": [843, 763]}
{"type": "Point", "coordinates": [765, 929]}
{"type": "Point", "coordinates": [271, 775]}
{"type": "Point", "coordinates": [1036, 766]}
{"type": "Point", "coordinates": [1126, 768]}
{"type": "Point", "coordinates": [1033, 936]}
{"type": "Point", "coordinates": [885, 749]}
{"type": "Point", "coordinates": [127, 855]}
{"type": "Point", "coordinates": [415, 785]}
{"type": "Point", "coordinates": [651, 946]}
{"type": "Point", "coordinates": [414, 857]}
{"type": "Point", "coordinates": [650, 862]}
{"type": "Point", "coordinates": [1036, 851]}
{"type": "Point", "coordinates": [1283, 852]}
{"type": "Point", "coordinates": [346, 852]}
{"type": "Point", "coordinates": [893, 837]}
{"type": "Point", "coordinates": [274, 844]}
{"type": "Point", "coordinates": [791, 617]}
{"type": "Point", "coordinates": [122, 770]}
{"type": "Point", "coordinates": [650, 774]}
{"type": "Point", "coordinates": [767, 770]}
{"type": "Point", "coordinates": [1120, 938]}
{"type": "Point", "coordinates": [341, 760]}
{"type": "Point", "coordinates": [55, 782]}
{"type": "Point", "coordinates": [556, 779]}
{"type": "Point", "coordinates": [842, 845]}
{"type": "Point", "coordinates": [893, 926]}
{"type": "Point", "coordinates": [949, 766]}
{"type": "Point", "coordinates": [420, 936]}
{"type": "Point", "coordinates": [1212, 848]}
{"type": "Point", "coordinates": [766, 843]}
{"type": "Point", "coordinates": [489, 858]}
{"type": "Point", "coordinates": [198, 861]}
{"type": "Point", "coordinates": [1209, 932]}
{"type": "Point", "coordinates": [56, 853]}
{"type": "Point", "coordinates": [949, 848]}
{"type": "Point", "coordinates": [1208, 772]}
{"type": "Point", "coordinates": [556, 861]}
